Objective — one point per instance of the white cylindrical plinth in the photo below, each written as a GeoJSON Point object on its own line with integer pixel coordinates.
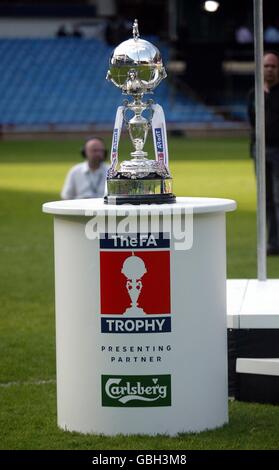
{"type": "Point", "coordinates": [140, 349]}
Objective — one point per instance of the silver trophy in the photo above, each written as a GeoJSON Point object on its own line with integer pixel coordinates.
{"type": "Point", "coordinates": [136, 68]}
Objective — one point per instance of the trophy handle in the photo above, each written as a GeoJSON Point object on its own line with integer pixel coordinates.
{"type": "Point", "coordinates": [109, 78]}
{"type": "Point", "coordinates": [159, 75]}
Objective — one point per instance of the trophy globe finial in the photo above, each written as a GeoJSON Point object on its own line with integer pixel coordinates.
{"type": "Point", "coordinates": [136, 30]}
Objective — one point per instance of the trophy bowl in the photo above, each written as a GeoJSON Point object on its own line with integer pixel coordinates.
{"type": "Point", "coordinates": [136, 67]}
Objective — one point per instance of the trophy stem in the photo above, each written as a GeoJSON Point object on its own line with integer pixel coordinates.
{"type": "Point", "coordinates": [138, 127]}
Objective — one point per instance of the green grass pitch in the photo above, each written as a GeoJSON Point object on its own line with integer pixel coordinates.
{"type": "Point", "coordinates": [32, 173]}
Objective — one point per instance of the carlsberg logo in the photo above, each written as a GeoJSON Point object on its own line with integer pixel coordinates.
{"type": "Point", "coordinates": [128, 392]}
{"type": "Point", "coordinates": [136, 390]}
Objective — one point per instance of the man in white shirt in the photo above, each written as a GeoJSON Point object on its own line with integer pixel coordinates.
{"type": "Point", "coordinates": [88, 179]}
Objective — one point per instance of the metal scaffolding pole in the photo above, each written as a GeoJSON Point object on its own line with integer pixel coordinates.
{"type": "Point", "coordinates": [260, 140]}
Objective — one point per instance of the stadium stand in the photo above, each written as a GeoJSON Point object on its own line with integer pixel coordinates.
{"type": "Point", "coordinates": [61, 81]}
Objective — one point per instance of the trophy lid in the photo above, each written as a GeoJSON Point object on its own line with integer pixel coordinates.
{"type": "Point", "coordinates": [139, 56]}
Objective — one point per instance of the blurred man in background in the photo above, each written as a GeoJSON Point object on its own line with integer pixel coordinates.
{"type": "Point", "coordinates": [271, 91]}
{"type": "Point", "coordinates": [88, 179]}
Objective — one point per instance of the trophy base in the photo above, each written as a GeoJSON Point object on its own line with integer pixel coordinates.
{"type": "Point", "coordinates": [148, 190]}
{"type": "Point", "coordinates": [144, 199]}
{"type": "Point", "coordinates": [134, 311]}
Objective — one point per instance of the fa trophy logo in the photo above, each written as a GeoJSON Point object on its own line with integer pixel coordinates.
{"type": "Point", "coordinates": [134, 269]}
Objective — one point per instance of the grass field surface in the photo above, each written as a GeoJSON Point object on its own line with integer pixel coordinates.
{"type": "Point", "coordinates": [32, 173]}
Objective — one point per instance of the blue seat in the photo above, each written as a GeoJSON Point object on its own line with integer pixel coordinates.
{"type": "Point", "coordinates": [63, 81]}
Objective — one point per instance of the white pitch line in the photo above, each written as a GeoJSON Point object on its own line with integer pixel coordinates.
{"type": "Point", "coordinates": [30, 382]}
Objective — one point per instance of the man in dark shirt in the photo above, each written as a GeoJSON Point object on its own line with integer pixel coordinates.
{"type": "Point", "coordinates": [271, 92]}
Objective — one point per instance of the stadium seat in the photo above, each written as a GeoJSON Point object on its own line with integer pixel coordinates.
{"type": "Point", "coordinates": [62, 81]}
